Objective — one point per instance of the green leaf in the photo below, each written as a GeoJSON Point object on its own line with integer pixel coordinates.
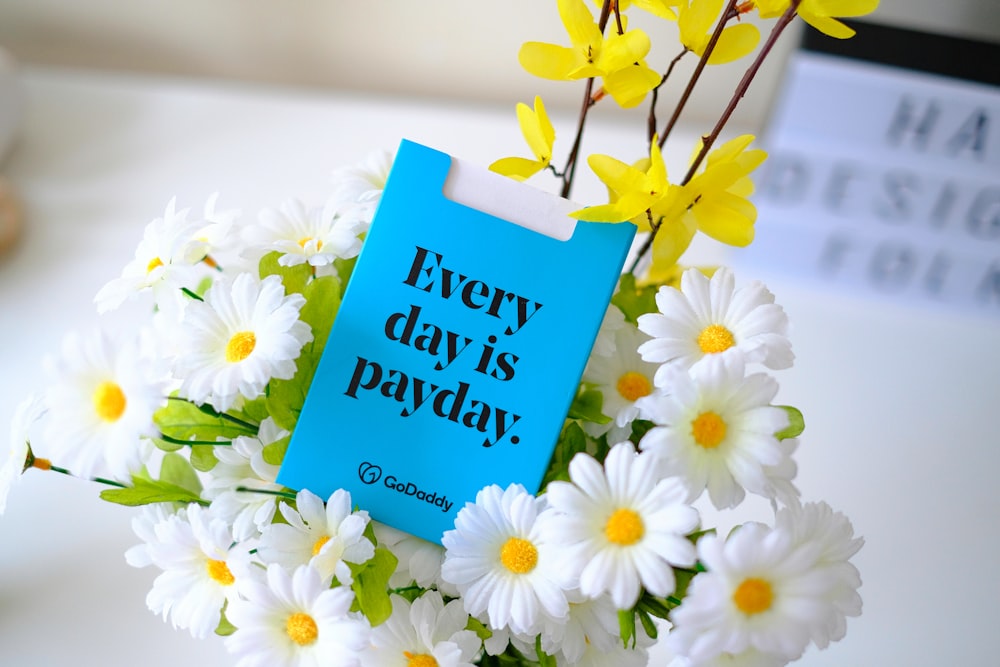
{"type": "Point", "coordinates": [176, 470]}
{"type": "Point", "coordinates": [184, 420]}
{"type": "Point", "coordinates": [371, 585]}
{"type": "Point", "coordinates": [203, 457]}
{"type": "Point", "coordinates": [588, 405]}
{"type": "Point", "coordinates": [632, 300]}
{"type": "Point", "coordinates": [544, 659]}
{"type": "Point", "coordinates": [652, 605]}
{"type": "Point", "coordinates": [274, 453]}
{"type": "Point", "coordinates": [796, 423]}
{"type": "Point", "coordinates": [225, 627]}
{"type": "Point", "coordinates": [626, 626]}
{"type": "Point", "coordinates": [648, 625]}
{"type": "Point", "coordinates": [477, 626]}
{"type": "Point", "coordinates": [255, 410]}
{"type": "Point", "coordinates": [166, 446]}
{"type": "Point", "coordinates": [344, 267]}
{"type": "Point", "coordinates": [294, 278]}
{"type": "Point", "coordinates": [146, 492]}
{"type": "Point", "coordinates": [286, 397]}
{"type": "Point", "coordinates": [572, 440]}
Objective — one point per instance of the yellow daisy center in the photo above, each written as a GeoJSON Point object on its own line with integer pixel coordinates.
{"type": "Point", "coordinates": [519, 556]}
{"type": "Point", "coordinates": [154, 263]}
{"type": "Point", "coordinates": [753, 596]}
{"type": "Point", "coordinates": [715, 338]}
{"type": "Point", "coordinates": [708, 429]}
{"type": "Point", "coordinates": [219, 572]}
{"type": "Point", "coordinates": [419, 660]}
{"type": "Point", "coordinates": [307, 239]}
{"type": "Point", "coordinates": [240, 346]}
{"type": "Point", "coordinates": [301, 628]}
{"type": "Point", "coordinates": [633, 385]}
{"type": "Point", "coordinates": [624, 527]}
{"type": "Point", "coordinates": [109, 401]}
{"type": "Point", "coordinates": [318, 546]}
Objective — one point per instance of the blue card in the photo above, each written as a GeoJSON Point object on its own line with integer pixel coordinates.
{"type": "Point", "coordinates": [458, 346]}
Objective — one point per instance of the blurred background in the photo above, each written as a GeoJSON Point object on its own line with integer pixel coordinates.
{"type": "Point", "coordinates": [108, 109]}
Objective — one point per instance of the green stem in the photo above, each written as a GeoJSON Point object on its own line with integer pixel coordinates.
{"type": "Point", "coordinates": [191, 294]}
{"type": "Point", "coordinates": [99, 480]}
{"type": "Point", "coordinates": [267, 492]}
{"type": "Point", "coordinates": [178, 441]}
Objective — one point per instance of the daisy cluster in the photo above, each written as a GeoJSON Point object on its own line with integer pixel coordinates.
{"type": "Point", "coordinates": [189, 419]}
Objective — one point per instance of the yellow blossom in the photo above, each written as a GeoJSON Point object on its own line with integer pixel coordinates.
{"type": "Point", "coordinates": [633, 189]}
{"type": "Point", "coordinates": [820, 14]}
{"type": "Point", "coordinates": [661, 8]}
{"type": "Point", "coordinates": [540, 136]}
{"type": "Point", "coordinates": [618, 59]}
{"type": "Point", "coordinates": [696, 22]}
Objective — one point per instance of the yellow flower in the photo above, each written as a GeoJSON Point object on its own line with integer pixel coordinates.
{"type": "Point", "coordinates": [661, 8]}
{"type": "Point", "coordinates": [619, 59]}
{"type": "Point", "coordinates": [821, 14]}
{"type": "Point", "coordinates": [696, 22]}
{"type": "Point", "coordinates": [715, 202]}
{"type": "Point", "coordinates": [633, 189]}
{"type": "Point", "coordinates": [540, 135]}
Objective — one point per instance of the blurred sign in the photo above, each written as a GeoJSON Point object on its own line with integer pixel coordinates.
{"type": "Point", "coordinates": [884, 169]}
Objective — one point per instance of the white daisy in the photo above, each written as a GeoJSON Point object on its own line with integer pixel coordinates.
{"type": "Point", "coordinates": [27, 413]}
{"type": "Point", "coordinates": [242, 464]}
{"type": "Point", "coordinates": [193, 548]}
{"type": "Point", "coordinates": [243, 334]}
{"type": "Point", "coordinates": [605, 344]}
{"type": "Point", "coordinates": [622, 378]}
{"type": "Point", "coordinates": [715, 430]}
{"type": "Point", "coordinates": [418, 561]}
{"type": "Point", "coordinates": [164, 261]}
{"type": "Point", "coordinates": [748, 658]}
{"type": "Point", "coordinates": [294, 619]}
{"type": "Point", "coordinates": [327, 537]}
{"type": "Point", "coordinates": [222, 242]}
{"type": "Point", "coordinates": [761, 591]}
{"type": "Point", "coordinates": [832, 535]}
{"type": "Point", "coordinates": [317, 237]}
{"type": "Point", "coordinates": [428, 633]}
{"type": "Point", "coordinates": [590, 622]}
{"type": "Point", "coordinates": [100, 406]}
{"type": "Point", "coordinates": [358, 189]}
{"type": "Point", "coordinates": [500, 560]}
{"type": "Point", "coordinates": [621, 528]}
{"type": "Point", "coordinates": [705, 319]}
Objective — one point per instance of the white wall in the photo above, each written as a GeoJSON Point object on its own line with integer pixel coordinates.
{"type": "Point", "coordinates": [440, 48]}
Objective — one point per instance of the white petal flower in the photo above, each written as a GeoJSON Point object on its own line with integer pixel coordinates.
{"type": "Point", "coordinates": [244, 334]}
{"type": "Point", "coordinates": [27, 413]}
{"type": "Point", "coordinates": [605, 344]}
{"type": "Point", "coordinates": [816, 525]}
{"type": "Point", "coordinates": [100, 406]}
{"type": "Point", "coordinates": [358, 189]}
{"type": "Point", "coordinates": [242, 464]}
{"type": "Point", "coordinates": [317, 237]}
{"type": "Point", "coordinates": [706, 319]}
{"type": "Point", "coordinates": [622, 378]}
{"type": "Point", "coordinates": [417, 559]}
{"type": "Point", "coordinates": [220, 234]}
{"type": "Point", "coordinates": [295, 620]}
{"type": "Point", "coordinates": [620, 528]}
{"type": "Point", "coordinates": [193, 548]}
{"type": "Point", "coordinates": [591, 622]}
{"type": "Point", "coordinates": [500, 560]}
{"type": "Point", "coordinates": [326, 537]}
{"type": "Point", "coordinates": [761, 591]}
{"type": "Point", "coordinates": [426, 633]}
{"type": "Point", "coordinates": [164, 261]}
{"type": "Point", "coordinates": [716, 431]}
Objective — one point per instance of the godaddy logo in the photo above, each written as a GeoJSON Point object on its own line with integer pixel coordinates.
{"type": "Point", "coordinates": [369, 472]}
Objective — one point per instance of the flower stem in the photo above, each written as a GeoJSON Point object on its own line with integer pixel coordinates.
{"type": "Point", "coordinates": [267, 492]}
{"type": "Point", "coordinates": [191, 294]}
{"type": "Point", "coordinates": [651, 122]}
{"type": "Point", "coordinates": [727, 14]}
{"type": "Point", "coordinates": [45, 464]}
{"type": "Point", "coordinates": [178, 441]}
{"type": "Point", "coordinates": [569, 171]}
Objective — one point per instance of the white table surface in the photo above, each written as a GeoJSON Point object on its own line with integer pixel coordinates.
{"type": "Point", "coordinates": [900, 404]}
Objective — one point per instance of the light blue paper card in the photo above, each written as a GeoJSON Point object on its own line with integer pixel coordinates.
{"type": "Point", "coordinates": [458, 346]}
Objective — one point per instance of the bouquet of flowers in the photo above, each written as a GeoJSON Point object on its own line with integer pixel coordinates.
{"type": "Point", "coordinates": [190, 418]}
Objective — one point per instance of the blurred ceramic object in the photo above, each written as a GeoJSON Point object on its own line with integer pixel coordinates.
{"type": "Point", "coordinates": [10, 103]}
{"type": "Point", "coordinates": [10, 120]}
